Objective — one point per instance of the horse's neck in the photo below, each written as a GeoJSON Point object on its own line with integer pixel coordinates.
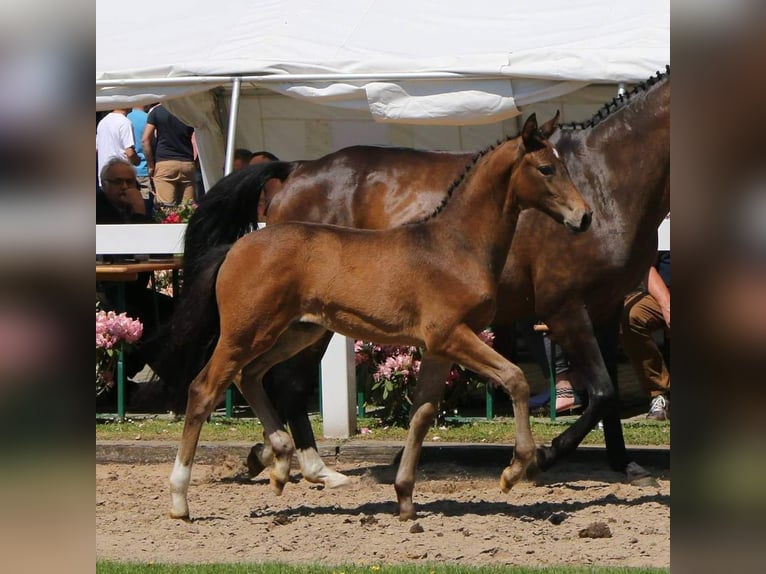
{"type": "Point", "coordinates": [622, 166]}
{"type": "Point", "coordinates": [481, 211]}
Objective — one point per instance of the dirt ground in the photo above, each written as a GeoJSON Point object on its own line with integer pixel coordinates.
{"type": "Point", "coordinates": [463, 517]}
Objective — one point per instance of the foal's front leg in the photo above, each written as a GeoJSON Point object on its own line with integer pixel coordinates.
{"type": "Point", "coordinates": [428, 391]}
{"type": "Point", "coordinates": [469, 350]}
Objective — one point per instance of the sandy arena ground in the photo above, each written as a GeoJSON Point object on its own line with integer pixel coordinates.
{"type": "Point", "coordinates": [463, 517]}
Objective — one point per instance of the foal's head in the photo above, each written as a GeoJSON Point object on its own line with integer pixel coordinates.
{"type": "Point", "coordinates": [541, 179]}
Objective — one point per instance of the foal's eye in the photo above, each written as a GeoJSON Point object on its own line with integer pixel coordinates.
{"type": "Point", "coordinates": [546, 169]}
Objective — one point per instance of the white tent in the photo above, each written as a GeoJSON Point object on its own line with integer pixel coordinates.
{"type": "Point", "coordinates": [304, 77]}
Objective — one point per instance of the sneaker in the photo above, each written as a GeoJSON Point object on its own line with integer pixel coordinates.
{"type": "Point", "coordinates": [658, 411]}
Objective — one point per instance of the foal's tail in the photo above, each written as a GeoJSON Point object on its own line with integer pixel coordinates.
{"type": "Point", "coordinates": [227, 211]}
{"type": "Point", "coordinates": [192, 333]}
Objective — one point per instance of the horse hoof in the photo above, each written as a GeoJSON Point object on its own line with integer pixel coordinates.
{"type": "Point", "coordinates": [336, 480]}
{"type": "Point", "coordinates": [277, 486]}
{"type": "Point", "coordinates": [544, 457]}
{"type": "Point", "coordinates": [184, 517]}
{"type": "Point", "coordinates": [407, 515]}
{"type": "Point", "coordinates": [533, 470]}
{"type": "Point", "coordinates": [254, 464]}
{"type": "Point", "coordinates": [510, 476]}
{"type": "Point", "coordinates": [637, 475]}
{"type": "Point", "coordinates": [505, 486]}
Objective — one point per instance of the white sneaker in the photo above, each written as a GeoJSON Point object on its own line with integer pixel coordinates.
{"type": "Point", "coordinates": [658, 411]}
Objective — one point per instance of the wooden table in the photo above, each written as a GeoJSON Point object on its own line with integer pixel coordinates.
{"type": "Point", "coordinates": [128, 271]}
{"type": "Point", "coordinates": [124, 272]}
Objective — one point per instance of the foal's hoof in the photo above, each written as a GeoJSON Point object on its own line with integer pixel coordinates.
{"type": "Point", "coordinates": [254, 464]}
{"type": "Point", "coordinates": [277, 486]}
{"type": "Point", "coordinates": [511, 475]}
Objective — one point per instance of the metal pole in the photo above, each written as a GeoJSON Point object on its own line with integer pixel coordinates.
{"type": "Point", "coordinates": [231, 136]}
{"type": "Point", "coordinates": [120, 359]}
{"type": "Point", "coordinates": [490, 400]}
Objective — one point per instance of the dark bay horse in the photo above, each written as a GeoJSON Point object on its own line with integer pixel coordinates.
{"type": "Point", "coordinates": [278, 290]}
{"type": "Point", "coordinates": [619, 159]}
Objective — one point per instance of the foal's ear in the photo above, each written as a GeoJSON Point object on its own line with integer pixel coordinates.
{"type": "Point", "coordinates": [529, 133]}
{"type": "Point", "coordinates": [550, 126]}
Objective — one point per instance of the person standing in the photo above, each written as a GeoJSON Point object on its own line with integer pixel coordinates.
{"type": "Point", "coordinates": [114, 138]}
{"type": "Point", "coordinates": [262, 156]}
{"type": "Point", "coordinates": [241, 158]}
{"type": "Point", "coordinates": [647, 311]}
{"type": "Point", "coordinates": [137, 117]}
{"type": "Point", "coordinates": [171, 164]}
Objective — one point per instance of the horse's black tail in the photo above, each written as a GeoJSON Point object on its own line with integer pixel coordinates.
{"type": "Point", "coordinates": [227, 211]}
{"type": "Point", "coordinates": [191, 334]}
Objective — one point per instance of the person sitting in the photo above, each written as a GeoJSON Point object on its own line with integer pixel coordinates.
{"type": "Point", "coordinates": [646, 311]}
{"type": "Point", "coordinates": [570, 395]}
{"type": "Point", "coordinates": [121, 202]}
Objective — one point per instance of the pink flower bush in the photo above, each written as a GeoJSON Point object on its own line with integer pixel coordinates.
{"type": "Point", "coordinates": [392, 372]}
{"type": "Point", "coordinates": [113, 333]}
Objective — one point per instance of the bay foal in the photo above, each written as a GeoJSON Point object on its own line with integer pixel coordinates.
{"type": "Point", "coordinates": [432, 283]}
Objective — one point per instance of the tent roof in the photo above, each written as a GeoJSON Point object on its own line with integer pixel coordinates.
{"type": "Point", "coordinates": [367, 51]}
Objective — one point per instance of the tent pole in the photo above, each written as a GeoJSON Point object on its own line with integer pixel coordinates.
{"type": "Point", "coordinates": [231, 134]}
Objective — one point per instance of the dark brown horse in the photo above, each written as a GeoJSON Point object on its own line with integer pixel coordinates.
{"type": "Point", "coordinates": [620, 160]}
{"type": "Point", "coordinates": [278, 290]}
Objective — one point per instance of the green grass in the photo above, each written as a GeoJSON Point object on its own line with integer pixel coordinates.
{"type": "Point", "coordinates": [272, 568]}
{"type": "Point", "coordinates": [499, 430]}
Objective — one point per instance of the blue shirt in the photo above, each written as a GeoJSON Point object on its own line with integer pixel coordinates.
{"type": "Point", "coordinates": [138, 119]}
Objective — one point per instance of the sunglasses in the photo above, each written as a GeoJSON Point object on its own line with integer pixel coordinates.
{"type": "Point", "coordinates": [121, 180]}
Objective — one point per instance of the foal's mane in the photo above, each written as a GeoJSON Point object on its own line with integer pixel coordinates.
{"type": "Point", "coordinates": [617, 103]}
{"type": "Point", "coordinates": [463, 176]}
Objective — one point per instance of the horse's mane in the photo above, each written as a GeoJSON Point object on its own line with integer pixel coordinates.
{"type": "Point", "coordinates": [617, 103]}
{"type": "Point", "coordinates": [460, 179]}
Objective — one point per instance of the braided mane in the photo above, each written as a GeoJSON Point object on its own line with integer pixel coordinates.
{"type": "Point", "coordinates": [460, 179]}
{"type": "Point", "coordinates": [617, 103]}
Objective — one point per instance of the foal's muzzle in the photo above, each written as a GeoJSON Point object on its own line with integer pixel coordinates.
{"type": "Point", "coordinates": [583, 224]}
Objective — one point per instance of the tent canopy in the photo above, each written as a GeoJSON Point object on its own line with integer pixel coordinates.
{"type": "Point", "coordinates": [432, 62]}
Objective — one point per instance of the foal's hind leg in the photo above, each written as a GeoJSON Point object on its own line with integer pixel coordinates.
{"type": "Point", "coordinates": [467, 349]}
{"type": "Point", "coordinates": [205, 392]}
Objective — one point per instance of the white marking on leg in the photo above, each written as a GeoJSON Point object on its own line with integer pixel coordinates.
{"type": "Point", "coordinates": [314, 469]}
{"type": "Point", "coordinates": [179, 485]}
